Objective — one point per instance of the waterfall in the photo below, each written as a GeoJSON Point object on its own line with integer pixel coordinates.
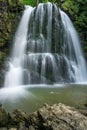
{"type": "Point", "coordinates": [72, 37]}
{"type": "Point", "coordinates": [46, 49]}
{"type": "Point", "coordinates": [14, 75]}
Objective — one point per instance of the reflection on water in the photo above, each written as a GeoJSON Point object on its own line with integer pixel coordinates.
{"type": "Point", "coordinates": [30, 98]}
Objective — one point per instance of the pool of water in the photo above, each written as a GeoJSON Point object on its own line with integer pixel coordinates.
{"type": "Point", "coordinates": [30, 98]}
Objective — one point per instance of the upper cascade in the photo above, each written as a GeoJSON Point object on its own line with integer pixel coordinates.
{"type": "Point", "coordinates": [52, 52]}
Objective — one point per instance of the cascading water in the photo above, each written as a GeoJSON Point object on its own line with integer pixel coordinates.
{"type": "Point", "coordinates": [14, 76]}
{"type": "Point", "coordinates": [46, 49]}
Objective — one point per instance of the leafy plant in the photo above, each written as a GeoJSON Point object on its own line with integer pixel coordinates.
{"type": "Point", "coordinates": [29, 2]}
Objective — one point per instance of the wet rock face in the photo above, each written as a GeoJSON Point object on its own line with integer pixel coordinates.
{"type": "Point", "coordinates": [56, 117]}
{"type": "Point", "coordinates": [8, 12]}
{"type": "Point", "coordinates": [3, 18]}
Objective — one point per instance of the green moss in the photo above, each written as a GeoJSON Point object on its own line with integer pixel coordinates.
{"type": "Point", "coordinates": [3, 117]}
{"type": "Point", "coordinates": [1, 40]}
{"type": "Point", "coordinates": [29, 2]}
{"type": "Point", "coordinates": [85, 48]}
{"type": "Point", "coordinates": [78, 13]}
{"type": "Point", "coordinates": [2, 55]}
{"type": "Point", "coordinates": [14, 2]}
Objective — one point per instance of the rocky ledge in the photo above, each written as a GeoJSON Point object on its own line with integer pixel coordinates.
{"type": "Point", "coordinates": [55, 117]}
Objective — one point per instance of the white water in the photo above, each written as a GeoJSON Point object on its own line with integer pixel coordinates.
{"type": "Point", "coordinates": [14, 76]}
{"type": "Point", "coordinates": [80, 68]}
{"type": "Point", "coordinates": [45, 51]}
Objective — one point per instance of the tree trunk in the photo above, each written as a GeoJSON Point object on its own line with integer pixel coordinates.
{"type": "Point", "coordinates": [38, 1]}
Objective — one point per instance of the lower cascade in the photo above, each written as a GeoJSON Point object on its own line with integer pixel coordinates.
{"type": "Point", "coordinates": [46, 49]}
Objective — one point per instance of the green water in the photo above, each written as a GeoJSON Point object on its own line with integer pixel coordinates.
{"type": "Point", "coordinates": [35, 97]}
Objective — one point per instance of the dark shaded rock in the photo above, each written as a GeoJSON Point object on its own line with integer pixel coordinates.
{"type": "Point", "coordinates": [3, 117]}
{"type": "Point", "coordinates": [22, 126]}
{"type": "Point", "coordinates": [16, 117]}
{"type": "Point", "coordinates": [3, 128]}
{"type": "Point", "coordinates": [85, 105]}
{"type": "Point", "coordinates": [83, 111]}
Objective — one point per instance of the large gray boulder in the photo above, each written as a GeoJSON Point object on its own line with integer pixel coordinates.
{"type": "Point", "coordinates": [58, 117]}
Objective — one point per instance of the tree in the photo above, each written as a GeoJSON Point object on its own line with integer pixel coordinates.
{"type": "Point", "coordinates": [38, 1]}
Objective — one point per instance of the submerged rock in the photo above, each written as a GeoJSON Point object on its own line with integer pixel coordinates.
{"type": "Point", "coordinates": [55, 117]}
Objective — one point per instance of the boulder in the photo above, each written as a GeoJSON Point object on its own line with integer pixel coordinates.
{"type": "Point", "coordinates": [55, 117]}
{"type": "Point", "coordinates": [16, 117]}
{"type": "Point", "coordinates": [58, 117]}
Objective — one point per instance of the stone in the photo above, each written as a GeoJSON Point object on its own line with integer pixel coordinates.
{"type": "Point", "coordinates": [17, 116]}
{"type": "Point", "coordinates": [55, 117]}
{"type": "Point", "coordinates": [22, 126]}
{"type": "Point", "coordinates": [58, 117]}
{"type": "Point", "coordinates": [3, 128]}
{"type": "Point", "coordinates": [31, 128]}
{"type": "Point", "coordinates": [3, 117]}
{"type": "Point", "coordinates": [13, 129]}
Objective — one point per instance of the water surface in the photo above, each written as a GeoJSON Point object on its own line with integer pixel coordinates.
{"type": "Point", "coordinates": [30, 98]}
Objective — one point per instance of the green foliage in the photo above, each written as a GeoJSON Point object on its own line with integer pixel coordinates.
{"type": "Point", "coordinates": [34, 2]}
{"type": "Point", "coordinates": [77, 10]}
{"type": "Point", "coordinates": [14, 2]}
{"type": "Point", "coordinates": [85, 48]}
{"type": "Point", "coordinates": [70, 7]}
{"type": "Point", "coordinates": [29, 2]}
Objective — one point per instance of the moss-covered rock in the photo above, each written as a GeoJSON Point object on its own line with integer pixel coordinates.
{"type": "Point", "coordinates": [3, 117]}
{"type": "Point", "coordinates": [16, 117]}
{"type": "Point", "coordinates": [8, 12]}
